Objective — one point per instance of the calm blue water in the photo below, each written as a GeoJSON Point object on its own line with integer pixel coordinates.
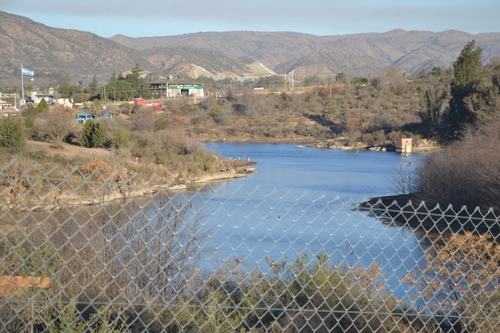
{"type": "Point", "coordinates": [300, 201]}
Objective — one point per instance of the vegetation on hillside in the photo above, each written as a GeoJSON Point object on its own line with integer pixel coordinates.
{"type": "Point", "coordinates": [355, 112]}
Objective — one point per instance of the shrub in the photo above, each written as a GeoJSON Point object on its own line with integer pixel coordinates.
{"type": "Point", "coordinates": [467, 172]}
{"type": "Point", "coordinates": [120, 138]}
{"type": "Point", "coordinates": [96, 169]}
{"type": "Point", "coordinates": [216, 112]}
{"type": "Point", "coordinates": [160, 124]}
{"type": "Point", "coordinates": [12, 136]}
{"type": "Point", "coordinates": [368, 139]}
{"type": "Point", "coordinates": [460, 279]}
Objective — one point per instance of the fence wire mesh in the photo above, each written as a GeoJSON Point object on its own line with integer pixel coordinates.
{"type": "Point", "coordinates": [81, 252]}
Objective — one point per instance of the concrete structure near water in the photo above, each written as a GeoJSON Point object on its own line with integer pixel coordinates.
{"type": "Point", "coordinates": [404, 145]}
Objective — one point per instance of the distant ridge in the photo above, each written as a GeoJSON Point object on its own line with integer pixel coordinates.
{"type": "Point", "coordinates": [366, 54]}
{"type": "Point", "coordinates": [233, 54]}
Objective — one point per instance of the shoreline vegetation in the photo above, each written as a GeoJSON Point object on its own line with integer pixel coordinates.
{"type": "Point", "coordinates": [45, 177]}
{"type": "Point", "coordinates": [228, 169]}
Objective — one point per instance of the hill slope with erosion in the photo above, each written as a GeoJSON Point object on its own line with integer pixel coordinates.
{"type": "Point", "coordinates": [367, 54]}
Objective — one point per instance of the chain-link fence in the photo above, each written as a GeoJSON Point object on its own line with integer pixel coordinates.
{"type": "Point", "coordinates": [83, 253]}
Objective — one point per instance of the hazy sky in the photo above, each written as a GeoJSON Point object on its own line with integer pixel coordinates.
{"type": "Point", "coordinates": [320, 17]}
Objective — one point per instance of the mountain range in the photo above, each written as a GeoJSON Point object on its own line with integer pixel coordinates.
{"type": "Point", "coordinates": [238, 54]}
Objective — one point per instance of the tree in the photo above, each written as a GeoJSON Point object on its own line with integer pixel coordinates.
{"type": "Point", "coordinates": [273, 81]}
{"type": "Point", "coordinates": [94, 87]}
{"type": "Point", "coordinates": [118, 89]}
{"type": "Point", "coordinates": [138, 83]}
{"type": "Point", "coordinates": [55, 125]}
{"type": "Point", "coordinates": [43, 106]}
{"type": "Point", "coordinates": [12, 136]}
{"type": "Point", "coordinates": [93, 134]}
{"type": "Point", "coordinates": [29, 89]}
{"type": "Point", "coordinates": [124, 91]}
{"type": "Point", "coordinates": [96, 107]}
{"type": "Point", "coordinates": [436, 99]}
{"type": "Point", "coordinates": [311, 80]}
{"type": "Point", "coordinates": [62, 77]}
{"type": "Point", "coordinates": [68, 90]}
{"type": "Point", "coordinates": [468, 75]}
{"type": "Point", "coordinates": [461, 279]}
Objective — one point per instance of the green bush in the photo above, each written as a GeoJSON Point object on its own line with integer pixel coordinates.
{"type": "Point", "coordinates": [160, 124]}
{"type": "Point", "coordinates": [120, 139]}
{"type": "Point", "coordinates": [93, 135]}
{"type": "Point", "coordinates": [12, 135]}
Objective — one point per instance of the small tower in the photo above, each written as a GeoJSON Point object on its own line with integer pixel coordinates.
{"type": "Point", "coordinates": [404, 146]}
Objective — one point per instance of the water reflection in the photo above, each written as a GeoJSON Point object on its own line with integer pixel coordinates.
{"type": "Point", "coordinates": [302, 200]}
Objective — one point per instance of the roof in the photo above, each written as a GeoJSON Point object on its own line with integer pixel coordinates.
{"type": "Point", "coordinates": [175, 82]}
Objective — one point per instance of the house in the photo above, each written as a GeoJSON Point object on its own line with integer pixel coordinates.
{"type": "Point", "coordinates": [4, 105]}
{"type": "Point", "coordinates": [85, 115]}
{"type": "Point", "coordinates": [66, 102]}
{"type": "Point", "coordinates": [175, 88]}
{"type": "Point", "coordinates": [7, 108]}
{"type": "Point", "coordinates": [36, 98]}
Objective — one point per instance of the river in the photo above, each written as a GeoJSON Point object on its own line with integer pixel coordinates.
{"type": "Point", "coordinates": [301, 201]}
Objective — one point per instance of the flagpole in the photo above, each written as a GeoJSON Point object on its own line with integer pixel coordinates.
{"type": "Point", "coordinates": [22, 101]}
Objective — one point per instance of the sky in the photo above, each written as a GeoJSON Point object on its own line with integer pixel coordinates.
{"type": "Point", "coordinates": [135, 18]}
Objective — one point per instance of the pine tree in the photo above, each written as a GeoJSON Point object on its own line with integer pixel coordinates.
{"type": "Point", "coordinates": [94, 87]}
{"type": "Point", "coordinates": [468, 75]}
{"type": "Point", "coordinates": [93, 134]}
{"type": "Point", "coordinates": [43, 106]}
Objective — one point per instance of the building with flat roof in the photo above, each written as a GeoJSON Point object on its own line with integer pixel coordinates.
{"type": "Point", "coordinates": [175, 88]}
{"type": "Point", "coordinates": [404, 145]}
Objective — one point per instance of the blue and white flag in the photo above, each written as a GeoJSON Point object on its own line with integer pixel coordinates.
{"type": "Point", "coordinates": [28, 72]}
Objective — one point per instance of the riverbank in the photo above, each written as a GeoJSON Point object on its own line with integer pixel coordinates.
{"type": "Point", "coordinates": [46, 177]}
{"type": "Point", "coordinates": [421, 146]}
{"type": "Point", "coordinates": [410, 210]}
{"type": "Point", "coordinates": [109, 192]}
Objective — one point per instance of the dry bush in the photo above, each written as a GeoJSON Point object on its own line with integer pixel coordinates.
{"type": "Point", "coordinates": [144, 120]}
{"type": "Point", "coordinates": [240, 125]}
{"type": "Point", "coordinates": [460, 280]}
{"type": "Point", "coordinates": [56, 125]}
{"type": "Point", "coordinates": [177, 120]}
{"type": "Point", "coordinates": [466, 173]}
{"type": "Point", "coordinates": [97, 169]}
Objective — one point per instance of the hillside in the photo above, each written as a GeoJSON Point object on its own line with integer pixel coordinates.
{"type": "Point", "coordinates": [365, 54]}
{"type": "Point", "coordinates": [195, 62]}
{"type": "Point", "coordinates": [219, 55]}
{"type": "Point", "coordinates": [48, 50]}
